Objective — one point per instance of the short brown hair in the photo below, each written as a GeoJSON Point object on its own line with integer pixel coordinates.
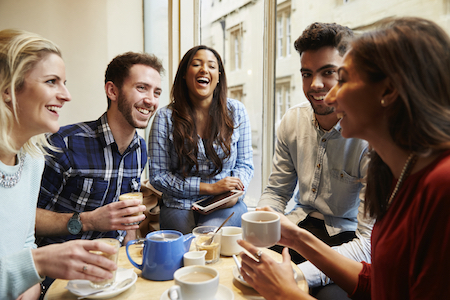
{"type": "Point", "coordinates": [119, 68]}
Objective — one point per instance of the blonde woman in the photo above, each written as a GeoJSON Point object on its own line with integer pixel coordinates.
{"type": "Point", "coordinates": [32, 91]}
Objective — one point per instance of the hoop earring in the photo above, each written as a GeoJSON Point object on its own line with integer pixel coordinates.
{"type": "Point", "coordinates": [7, 99]}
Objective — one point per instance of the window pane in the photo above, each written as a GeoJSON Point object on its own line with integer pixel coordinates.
{"type": "Point", "coordinates": [234, 29]}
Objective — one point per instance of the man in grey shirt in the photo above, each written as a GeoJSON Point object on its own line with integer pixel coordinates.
{"type": "Point", "coordinates": [328, 168]}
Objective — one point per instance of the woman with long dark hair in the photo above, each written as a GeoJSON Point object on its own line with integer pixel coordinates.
{"type": "Point", "coordinates": [200, 144]}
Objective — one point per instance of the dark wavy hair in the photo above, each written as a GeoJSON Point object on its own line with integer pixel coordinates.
{"type": "Point", "coordinates": [220, 123]}
{"type": "Point", "coordinates": [318, 35]}
{"type": "Point", "coordinates": [414, 54]}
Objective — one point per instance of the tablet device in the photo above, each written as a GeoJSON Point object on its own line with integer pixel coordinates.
{"type": "Point", "coordinates": [210, 202]}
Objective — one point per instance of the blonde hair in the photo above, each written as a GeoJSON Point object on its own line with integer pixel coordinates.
{"type": "Point", "coordinates": [19, 52]}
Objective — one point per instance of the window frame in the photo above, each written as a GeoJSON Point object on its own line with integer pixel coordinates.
{"type": "Point", "coordinates": [184, 33]}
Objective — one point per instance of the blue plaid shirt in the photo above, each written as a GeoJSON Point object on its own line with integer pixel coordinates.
{"type": "Point", "coordinates": [179, 192]}
{"type": "Point", "coordinates": [89, 172]}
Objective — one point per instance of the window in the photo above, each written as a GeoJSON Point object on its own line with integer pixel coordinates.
{"type": "Point", "coordinates": [284, 29]}
{"type": "Point", "coordinates": [236, 92]}
{"type": "Point", "coordinates": [282, 98]}
{"type": "Point", "coordinates": [226, 26]}
{"type": "Point", "coordinates": [236, 47]}
{"type": "Point", "coordinates": [269, 29]}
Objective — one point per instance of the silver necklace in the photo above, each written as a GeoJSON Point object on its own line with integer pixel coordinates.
{"type": "Point", "coordinates": [10, 180]}
{"type": "Point", "coordinates": [409, 164]}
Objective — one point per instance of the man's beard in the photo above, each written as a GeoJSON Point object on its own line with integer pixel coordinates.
{"type": "Point", "coordinates": [323, 111]}
{"type": "Point", "coordinates": [127, 111]}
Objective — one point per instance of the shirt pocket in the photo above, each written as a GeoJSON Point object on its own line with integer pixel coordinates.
{"type": "Point", "coordinates": [345, 193]}
{"type": "Point", "coordinates": [131, 185]}
{"type": "Point", "coordinates": [91, 192]}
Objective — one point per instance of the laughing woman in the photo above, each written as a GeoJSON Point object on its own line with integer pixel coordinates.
{"type": "Point", "coordinates": [200, 144]}
{"type": "Point", "coordinates": [32, 91]}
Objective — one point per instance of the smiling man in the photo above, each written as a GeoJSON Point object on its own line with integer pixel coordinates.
{"type": "Point", "coordinates": [311, 154]}
{"type": "Point", "coordinates": [95, 162]}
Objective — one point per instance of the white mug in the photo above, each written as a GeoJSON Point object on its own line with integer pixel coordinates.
{"type": "Point", "coordinates": [261, 228]}
{"type": "Point", "coordinates": [195, 282]}
{"type": "Point", "coordinates": [194, 258]}
{"type": "Point", "coordinates": [230, 235]}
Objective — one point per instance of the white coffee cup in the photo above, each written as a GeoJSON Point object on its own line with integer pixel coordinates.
{"type": "Point", "coordinates": [230, 235]}
{"type": "Point", "coordinates": [261, 228]}
{"type": "Point", "coordinates": [194, 258]}
{"type": "Point", "coordinates": [195, 282]}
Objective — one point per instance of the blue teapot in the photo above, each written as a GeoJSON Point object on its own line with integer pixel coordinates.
{"type": "Point", "coordinates": [162, 254]}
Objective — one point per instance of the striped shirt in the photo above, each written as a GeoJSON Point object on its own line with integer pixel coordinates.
{"type": "Point", "coordinates": [89, 172]}
{"type": "Point", "coordinates": [179, 192]}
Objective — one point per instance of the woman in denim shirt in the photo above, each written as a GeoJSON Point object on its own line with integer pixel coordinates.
{"type": "Point", "coordinates": [200, 144]}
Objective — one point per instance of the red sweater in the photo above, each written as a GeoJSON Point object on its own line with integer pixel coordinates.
{"type": "Point", "coordinates": [411, 243]}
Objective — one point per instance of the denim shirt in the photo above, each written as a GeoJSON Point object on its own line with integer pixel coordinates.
{"type": "Point", "coordinates": [329, 170]}
{"type": "Point", "coordinates": [179, 192]}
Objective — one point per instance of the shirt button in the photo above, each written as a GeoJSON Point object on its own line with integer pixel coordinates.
{"type": "Point", "coordinates": [318, 166]}
{"type": "Point", "coordinates": [324, 140]}
{"type": "Point", "coordinates": [342, 175]}
{"type": "Point", "coordinates": [313, 190]}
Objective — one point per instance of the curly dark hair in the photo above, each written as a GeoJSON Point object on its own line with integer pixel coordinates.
{"type": "Point", "coordinates": [318, 35]}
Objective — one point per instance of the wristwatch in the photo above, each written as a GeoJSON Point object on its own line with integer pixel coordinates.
{"type": "Point", "coordinates": [74, 225]}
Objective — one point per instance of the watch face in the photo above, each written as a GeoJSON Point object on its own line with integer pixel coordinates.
{"type": "Point", "coordinates": [74, 226]}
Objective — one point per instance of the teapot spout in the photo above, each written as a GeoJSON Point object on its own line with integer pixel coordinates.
{"type": "Point", "coordinates": [187, 241]}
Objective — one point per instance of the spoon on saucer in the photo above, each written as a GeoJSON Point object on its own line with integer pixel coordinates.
{"type": "Point", "coordinates": [120, 285]}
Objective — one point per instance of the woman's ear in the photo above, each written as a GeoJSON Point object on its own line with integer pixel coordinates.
{"type": "Point", "coordinates": [6, 96]}
{"type": "Point", "coordinates": [390, 94]}
{"type": "Point", "coordinates": [111, 91]}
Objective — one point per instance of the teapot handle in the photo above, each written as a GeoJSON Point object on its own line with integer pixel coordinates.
{"type": "Point", "coordinates": [128, 254]}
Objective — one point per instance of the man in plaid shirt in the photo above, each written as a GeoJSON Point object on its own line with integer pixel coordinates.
{"type": "Point", "coordinates": [95, 162]}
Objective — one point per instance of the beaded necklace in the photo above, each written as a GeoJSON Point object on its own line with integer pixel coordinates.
{"type": "Point", "coordinates": [10, 180]}
{"type": "Point", "coordinates": [409, 164]}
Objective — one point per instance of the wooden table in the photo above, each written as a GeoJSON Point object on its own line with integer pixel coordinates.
{"type": "Point", "coordinates": [148, 289]}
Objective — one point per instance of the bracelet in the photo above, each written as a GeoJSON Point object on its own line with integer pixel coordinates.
{"type": "Point", "coordinates": [42, 289]}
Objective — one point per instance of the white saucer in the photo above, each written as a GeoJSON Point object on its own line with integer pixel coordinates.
{"type": "Point", "coordinates": [238, 277]}
{"type": "Point", "coordinates": [82, 287]}
{"type": "Point", "coordinates": [223, 293]}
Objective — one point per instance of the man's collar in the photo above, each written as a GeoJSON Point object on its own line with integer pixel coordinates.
{"type": "Point", "coordinates": [316, 125]}
{"type": "Point", "coordinates": [106, 135]}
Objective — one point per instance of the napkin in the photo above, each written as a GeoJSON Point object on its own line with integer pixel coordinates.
{"type": "Point", "coordinates": [83, 287]}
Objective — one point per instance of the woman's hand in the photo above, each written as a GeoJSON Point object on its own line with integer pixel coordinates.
{"type": "Point", "coordinates": [73, 260]}
{"type": "Point", "coordinates": [33, 293]}
{"type": "Point", "coordinates": [271, 279]}
{"type": "Point", "coordinates": [224, 185]}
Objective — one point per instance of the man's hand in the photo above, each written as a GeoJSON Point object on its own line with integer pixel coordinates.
{"type": "Point", "coordinates": [289, 230]}
{"type": "Point", "coordinates": [113, 216]}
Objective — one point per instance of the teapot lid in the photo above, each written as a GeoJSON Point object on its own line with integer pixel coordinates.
{"type": "Point", "coordinates": [163, 236]}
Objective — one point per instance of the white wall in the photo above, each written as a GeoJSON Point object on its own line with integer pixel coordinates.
{"type": "Point", "coordinates": [90, 33]}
